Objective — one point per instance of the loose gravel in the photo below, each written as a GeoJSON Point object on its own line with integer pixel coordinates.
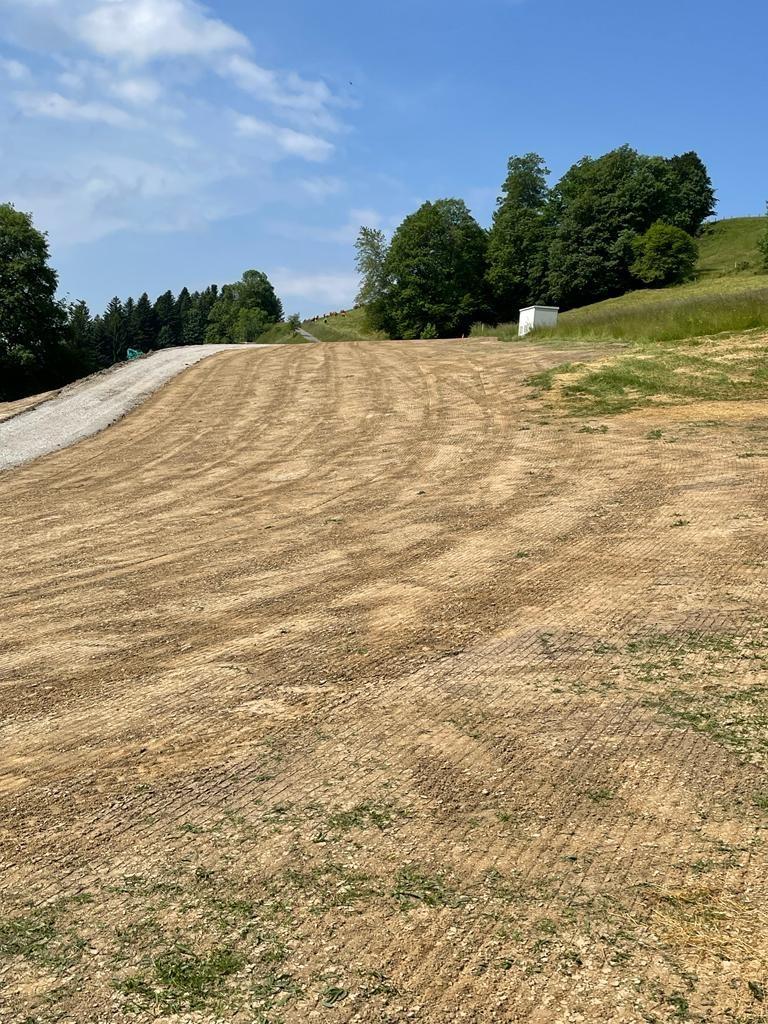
{"type": "Point", "coordinates": [90, 405]}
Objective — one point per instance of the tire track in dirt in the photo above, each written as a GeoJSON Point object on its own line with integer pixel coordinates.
{"type": "Point", "coordinates": [445, 647]}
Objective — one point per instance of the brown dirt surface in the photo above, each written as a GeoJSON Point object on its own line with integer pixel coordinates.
{"type": "Point", "coordinates": [349, 683]}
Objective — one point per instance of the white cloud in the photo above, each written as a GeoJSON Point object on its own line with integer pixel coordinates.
{"type": "Point", "coordinates": [137, 91]}
{"type": "Point", "coordinates": [173, 73]}
{"type": "Point", "coordinates": [14, 70]}
{"type": "Point", "coordinates": [338, 290]}
{"type": "Point", "coordinates": [300, 98]}
{"type": "Point", "coordinates": [214, 135]}
{"type": "Point", "coordinates": [133, 33]}
{"type": "Point", "coordinates": [144, 30]}
{"type": "Point", "coordinates": [61, 108]}
{"type": "Point", "coordinates": [286, 140]}
{"type": "Point", "coordinates": [91, 198]}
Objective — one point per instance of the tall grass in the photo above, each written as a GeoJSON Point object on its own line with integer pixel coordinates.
{"type": "Point", "coordinates": [673, 316]}
{"type": "Point", "coordinates": [701, 309]}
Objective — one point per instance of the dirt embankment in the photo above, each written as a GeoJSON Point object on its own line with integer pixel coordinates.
{"type": "Point", "coordinates": [345, 683]}
{"type": "Point", "coordinates": [45, 423]}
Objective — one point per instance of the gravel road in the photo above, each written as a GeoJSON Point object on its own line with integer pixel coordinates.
{"type": "Point", "coordinates": [88, 406]}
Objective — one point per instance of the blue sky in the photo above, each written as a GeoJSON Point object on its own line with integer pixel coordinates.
{"type": "Point", "coordinates": [164, 143]}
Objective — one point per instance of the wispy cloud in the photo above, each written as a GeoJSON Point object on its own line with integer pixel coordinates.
{"type": "Point", "coordinates": [14, 69]}
{"type": "Point", "coordinates": [62, 108]}
{"type": "Point", "coordinates": [97, 68]}
{"type": "Point", "coordinates": [338, 290]}
{"type": "Point", "coordinates": [342, 234]}
{"type": "Point", "coordinates": [138, 92]}
{"type": "Point", "coordinates": [285, 140]}
{"type": "Point", "coordinates": [308, 101]}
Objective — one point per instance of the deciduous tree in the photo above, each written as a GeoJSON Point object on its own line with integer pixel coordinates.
{"type": "Point", "coordinates": [371, 263]}
{"type": "Point", "coordinates": [519, 237]}
{"type": "Point", "coordinates": [664, 255]}
{"type": "Point", "coordinates": [32, 322]}
{"type": "Point", "coordinates": [435, 271]}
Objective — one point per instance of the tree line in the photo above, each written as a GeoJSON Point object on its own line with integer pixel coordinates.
{"type": "Point", "coordinates": [610, 224]}
{"type": "Point", "coordinates": [46, 342]}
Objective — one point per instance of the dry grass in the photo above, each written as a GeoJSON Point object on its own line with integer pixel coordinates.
{"type": "Point", "coordinates": [711, 922]}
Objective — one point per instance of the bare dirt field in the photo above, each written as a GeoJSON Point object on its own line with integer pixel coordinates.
{"type": "Point", "coordinates": [353, 683]}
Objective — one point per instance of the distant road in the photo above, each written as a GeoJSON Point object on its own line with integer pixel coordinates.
{"type": "Point", "coordinates": [306, 334]}
{"type": "Point", "coordinates": [88, 406]}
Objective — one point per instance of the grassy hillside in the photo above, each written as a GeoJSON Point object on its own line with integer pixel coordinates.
{"type": "Point", "coordinates": [701, 341]}
{"type": "Point", "coordinates": [730, 246]}
{"type": "Point", "coordinates": [348, 325]}
{"type": "Point", "coordinates": [709, 306]}
{"type": "Point", "coordinates": [729, 294]}
{"type": "Point", "coordinates": [281, 334]}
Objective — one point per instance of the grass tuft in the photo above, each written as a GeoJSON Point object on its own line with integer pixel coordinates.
{"type": "Point", "coordinates": [180, 979]}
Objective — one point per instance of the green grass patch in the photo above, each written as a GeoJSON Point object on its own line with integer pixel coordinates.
{"type": "Point", "coordinates": [29, 936]}
{"type": "Point", "coordinates": [737, 718]}
{"type": "Point", "coordinates": [326, 886]}
{"type": "Point", "coordinates": [364, 816]}
{"type": "Point", "coordinates": [545, 379]}
{"type": "Point", "coordinates": [349, 325]}
{"type": "Point", "coordinates": [667, 375]}
{"type": "Point", "coordinates": [413, 887]}
{"type": "Point", "coordinates": [181, 979]}
{"type": "Point", "coordinates": [281, 334]}
{"type": "Point", "coordinates": [46, 935]}
{"type": "Point", "coordinates": [704, 308]}
{"type": "Point", "coordinates": [730, 246]}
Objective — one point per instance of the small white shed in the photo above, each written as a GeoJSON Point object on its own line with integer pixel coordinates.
{"type": "Point", "coordinates": [537, 316]}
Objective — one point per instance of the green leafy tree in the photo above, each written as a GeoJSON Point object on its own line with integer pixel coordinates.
{"type": "Point", "coordinates": [206, 300]}
{"type": "Point", "coordinates": [81, 351]}
{"type": "Point", "coordinates": [166, 337]}
{"type": "Point", "coordinates": [600, 205]}
{"type": "Point", "coordinates": [129, 313]}
{"type": "Point", "coordinates": [250, 325]}
{"type": "Point", "coordinates": [519, 237]}
{"type": "Point", "coordinates": [183, 303]}
{"type": "Point", "coordinates": [689, 197]}
{"type": "Point", "coordinates": [32, 322]}
{"type": "Point", "coordinates": [241, 308]}
{"type": "Point", "coordinates": [221, 320]}
{"type": "Point", "coordinates": [294, 322]}
{"type": "Point", "coordinates": [664, 255]}
{"type": "Point", "coordinates": [371, 263]}
{"type": "Point", "coordinates": [435, 272]}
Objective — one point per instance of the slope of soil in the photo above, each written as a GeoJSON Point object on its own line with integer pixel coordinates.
{"type": "Point", "coordinates": [346, 683]}
{"type": "Point", "coordinates": [41, 424]}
